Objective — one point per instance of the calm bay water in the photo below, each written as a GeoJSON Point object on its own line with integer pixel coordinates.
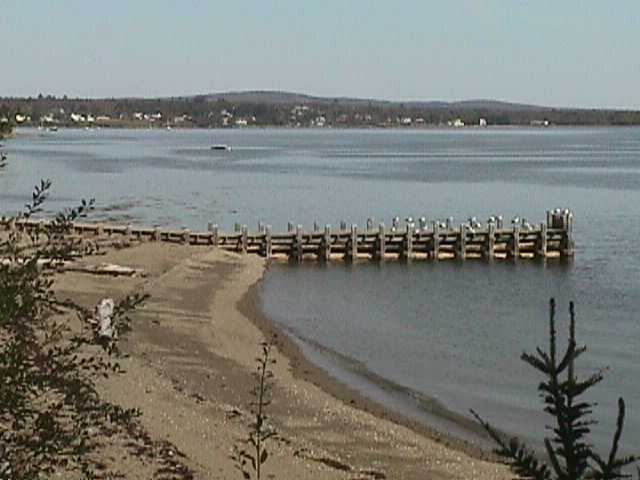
{"type": "Point", "coordinates": [451, 331]}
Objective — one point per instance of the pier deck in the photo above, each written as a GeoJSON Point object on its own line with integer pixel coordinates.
{"type": "Point", "coordinates": [434, 240]}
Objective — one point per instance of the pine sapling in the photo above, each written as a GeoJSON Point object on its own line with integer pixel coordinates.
{"type": "Point", "coordinates": [570, 455]}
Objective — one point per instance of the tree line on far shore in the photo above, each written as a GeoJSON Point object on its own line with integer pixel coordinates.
{"type": "Point", "coordinates": [219, 111]}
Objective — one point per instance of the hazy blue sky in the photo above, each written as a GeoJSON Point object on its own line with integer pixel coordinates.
{"type": "Point", "coordinates": [560, 52]}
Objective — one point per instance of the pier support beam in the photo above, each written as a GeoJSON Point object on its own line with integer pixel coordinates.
{"type": "Point", "coordinates": [267, 245]}
{"type": "Point", "coordinates": [407, 244]}
{"type": "Point", "coordinates": [435, 242]}
{"type": "Point", "coordinates": [490, 242]}
{"type": "Point", "coordinates": [325, 245]}
{"type": "Point", "coordinates": [541, 250]}
{"type": "Point", "coordinates": [461, 244]}
{"type": "Point", "coordinates": [514, 250]}
{"type": "Point", "coordinates": [381, 244]}
{"type": "Point", "coordinates": [568, 243]}
{"type": "Point", "coordinates": [297, 247]}
{"type": "Point", "coordinates": [351, 253]}
{"type": "Point", "coordinates": [243, 239]}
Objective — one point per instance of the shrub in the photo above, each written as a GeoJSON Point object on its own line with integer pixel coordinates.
{"type": "Point", "coordinates": [570, 456]}
{"type": "Point", "coordinates": [51, 415]}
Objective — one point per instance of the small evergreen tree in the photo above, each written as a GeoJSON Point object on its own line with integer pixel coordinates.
{"type": "Point", "coordinates": [570, 456]}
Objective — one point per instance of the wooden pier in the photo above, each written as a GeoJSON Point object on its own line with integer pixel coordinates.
{"type": "Point", "coordinates": [409, 240]}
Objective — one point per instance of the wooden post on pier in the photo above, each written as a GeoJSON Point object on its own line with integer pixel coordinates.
{"type": "Point", "coordinates": [352, 247]}
{"type": "Point", "coordinates": [461, 244]}
{"type": "Point", "coordinates": [567, 244]}
{"type": "Point", "coordinates": [514, 251]}
{"type": "Point", "coordinates": [369, 224]}
{"type": "Point", "coordinates": [156, 234]}
{"type": "Point", "coordinates": [435, 243]}
{"type": "Point", "coordinates": [407, 245]}
{"type": "Point", "coordinates": [549, 219]}
{"type": "Point", "coordinates": [268, 243]}
{"type": "Point", "coordinates": [243, 239]}
{"type": "Point", "coordinates": [489, 247]}
{"type": "Point", "coordinates": [289, 227]}
{"type": "Point", "coordinates": [297, 246]}
{"type": "Point", "coordinates": [325, 244]}
{"type": "Point", "coordinates": [380, 248]}
{"type": "Point", "coordinates": [542, 240]}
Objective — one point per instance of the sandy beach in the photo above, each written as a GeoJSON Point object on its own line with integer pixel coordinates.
{"type": "Point", "coordinates": [191, 356]}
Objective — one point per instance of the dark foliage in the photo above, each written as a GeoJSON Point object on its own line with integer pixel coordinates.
{"type": "Point", "coordinates": [51, 416]}
{"type": "Point", "coordinates": [570, 455]}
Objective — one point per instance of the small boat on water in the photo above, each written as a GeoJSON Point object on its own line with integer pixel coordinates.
{"type": "Point", "coordinates": [221, 146]}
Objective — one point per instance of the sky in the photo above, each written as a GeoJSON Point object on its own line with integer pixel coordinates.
{"type": "Point", "coordinates": [567, 53]}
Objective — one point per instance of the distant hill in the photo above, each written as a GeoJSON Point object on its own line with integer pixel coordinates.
{"type": "Point", "coordinates": [290, 109]}
{"type": "Point", "coordinates": [275, 97]}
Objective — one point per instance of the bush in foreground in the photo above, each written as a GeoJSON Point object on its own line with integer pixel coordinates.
{"type": "Point", "coordinates": [51, 416]}
{"type": "Point", "coordinates": [570, 456]}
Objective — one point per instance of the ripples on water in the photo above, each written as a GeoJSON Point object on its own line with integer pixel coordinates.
{"type": "Point", "coordinates": [452, 331]}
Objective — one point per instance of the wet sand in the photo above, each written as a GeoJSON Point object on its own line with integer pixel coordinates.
{"type": "Point", "coordinates": [191, 357]}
